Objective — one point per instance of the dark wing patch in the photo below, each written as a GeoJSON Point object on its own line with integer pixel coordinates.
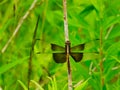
{"type": "Point", "coordinates": [77, 56]}
{"type": "Point", "coordinates": [75, 52]}
{"type": "Point", "coordinates": [78, 47]}
{"type": "Point", "coordinates": [55, 47]}
{"type": "Point", "coordinates": [59, 56]}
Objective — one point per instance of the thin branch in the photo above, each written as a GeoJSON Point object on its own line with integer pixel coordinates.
{"type": "Point", "coordinates": [67, 45]}
{"type": "Point", "coordinates": [42, 26]}
{"type": "Point", "coordinates": [115, 68]}
{"type": "Point", "coordinates": [69, 69]}
{"type": "Point", "coordinates": [31, 53]}
{"type": "Point", "coordinates": [14, 10]}
{"type": "Point", "coordinates": [94, 68]}
{"type": "Point", "coordinates": [65, 20]}
{"type": "Point", "coordinates": [80, 82]}
{"type": "Point", "coordinates": [101, 57]}
{"type": "Point", "coordinates": [109, 30]}
{"type": "Point", "coordinates": [90, 68]}
{"type": "Point", "coordinates": [19, 25]}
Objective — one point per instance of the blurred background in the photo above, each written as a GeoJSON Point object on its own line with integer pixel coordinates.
{"type": "Point", "coordinates": [88, 20]}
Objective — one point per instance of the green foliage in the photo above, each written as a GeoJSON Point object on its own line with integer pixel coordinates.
{"type": "Point", "coordinates": [86, 20]}
{"type": "Point", "coordinates": [6, 67]}
{"type": "Point", "coordinates": [38, 86]}
{"type": "Point", "coordinates": [82, 86]}
{"type": "Point", "coordinates": [22, 84]}
{"type": "Point", "coordinates": [53, 83]}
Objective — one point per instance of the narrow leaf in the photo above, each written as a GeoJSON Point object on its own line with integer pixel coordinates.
{"type": "Point", "coordinates": [87, 11]}
{"type": "Point", "coordinates": [23, 85]}
{"type": "Point", "coordinates": [7, 67]}
{"type": "Point", "coordinates": [82, 86]}
{"type": "Point", "coordinates": [40, 88]}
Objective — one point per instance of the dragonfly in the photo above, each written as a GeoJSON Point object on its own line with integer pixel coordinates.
{"type": "Point", "coordinates": [76, 52]}
{"type": "Point", "coordinates": [60, 57]}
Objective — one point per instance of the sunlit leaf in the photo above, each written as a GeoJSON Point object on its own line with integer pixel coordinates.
{"type": "Point", "coordinates": [7, 67]}
{"type": "Point", "coordinates": [38, 86]}
{"type": "Point", "coordinates": [23, 85]}
{"type": "Point", "coordinates": [82, 85]}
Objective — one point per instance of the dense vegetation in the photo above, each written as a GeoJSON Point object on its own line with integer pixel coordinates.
{"type": "Point", "coordinates": [88, 20]}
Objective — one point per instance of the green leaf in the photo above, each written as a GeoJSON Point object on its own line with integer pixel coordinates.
{"type": "Point", "coordinates": [112, 50]}
{"type": "Point", "coordinates": [3, 1]}
{"type": "Point", "coordinates": [117, 60]}
{"type": "Point", "coordinates": [6, 25]}
{"type": "Point", "coordinates": [83, 85]}
{"type": "Point", "coordinates": [53, 83]}
{"type": "Point", "coordinates": [99, 7]}
{"type": "Point", "coordinates": [23, 85]}
{"type": "Point", "coordinates": [87, 11]}
{"type": "Point", "coordinates": [109, 21]}
{"type": "Point", "coordinates": [95, 4]}
{"type": "Point", "coordinates": [78, 22]}
{"type": "Point", "coordinates": [108, 65]}
{"type": "Point", "coordinates": [40, 87]}
{"type": "Point", "coordinates": [7, 67]}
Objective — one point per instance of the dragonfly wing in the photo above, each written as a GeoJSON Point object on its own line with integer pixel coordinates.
{"type": "Point", "coordinates": [77, 56]}
{"type": "Point", "coordinates": [59, 56]}
{"type": "Point", "coordinates": [78, 47]}
{"type": "Point", "coordinates": [55, 47]}
{"type": "Point", "coordinates": [74, 52]}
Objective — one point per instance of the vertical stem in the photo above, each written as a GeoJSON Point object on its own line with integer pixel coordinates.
{"type": "Point", "coordinates": [42, 26]}
{"type": "Point", "coordinates": [67, 45]}
{"type": "Point", "coordinates": [68, 65]}
{"type": "Point", "coordinates": [65, 21]}
{"type": "Point", "coordinates": [101, 13]}
{"type": "Point", "coordinates": [31, 53]}
{"type": "Point", "coordinates": [69, 75]}
{"type": "Point", "coordinates": [14, 10]}
{"type": "Point", "coordinates": [101, 58]}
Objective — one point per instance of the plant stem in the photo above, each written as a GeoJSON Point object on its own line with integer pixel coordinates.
{"type": "Point", "coordinates": [42, 26]}
{"type": "Point", "coordinates": [65, 21]}
{"type": "Point", "coordinates": [101, 58]}
{"type": "Point", "coordinates": [69, 75]}
{"type": "Point", "coordinates": [31, 53]}
{"type": "Point", "coordinates": [67, 45]}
